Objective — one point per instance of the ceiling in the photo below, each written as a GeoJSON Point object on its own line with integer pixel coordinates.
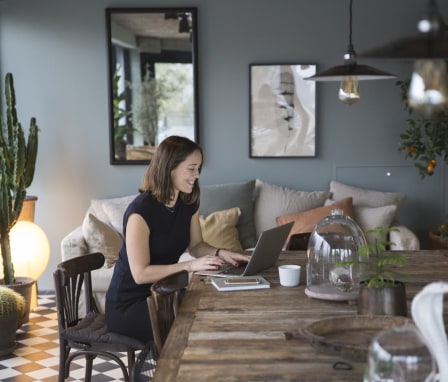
{"type": "Point", "coordinates": [154, 25]}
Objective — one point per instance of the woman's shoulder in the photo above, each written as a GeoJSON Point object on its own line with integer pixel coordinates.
{"type": "Point", "coordinates": [145, 199]}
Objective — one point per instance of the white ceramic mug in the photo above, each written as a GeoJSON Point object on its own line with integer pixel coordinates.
{"type": "Point", "coordinates": [289, 275]}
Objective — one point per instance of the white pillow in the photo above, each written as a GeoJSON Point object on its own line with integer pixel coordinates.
{"type": "Point", "coordinates": [272, 201]}
{"type": "Point", "coordinates": [370, 218]}
{"type": "Point", "coordinates": [101, 237]}
{"type": "Point", "coordinates": [111, 210]}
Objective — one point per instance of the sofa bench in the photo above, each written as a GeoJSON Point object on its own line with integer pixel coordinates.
{"type": "Point", "coordinates": [233, 216]}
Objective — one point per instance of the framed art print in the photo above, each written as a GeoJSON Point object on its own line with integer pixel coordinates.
{"type": "Point", "coordinates": [282, 111]}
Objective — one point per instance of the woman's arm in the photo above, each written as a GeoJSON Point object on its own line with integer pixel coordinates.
{"type": "Point", "coordinates": [137, 247]}
{"type": "Point", "coordinates": [198, 247]}
{"type": "Point", "coordinates": [139, 256]}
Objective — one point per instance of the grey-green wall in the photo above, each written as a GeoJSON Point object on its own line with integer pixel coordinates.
{"type": "Point", "coordinates": [57, 53]}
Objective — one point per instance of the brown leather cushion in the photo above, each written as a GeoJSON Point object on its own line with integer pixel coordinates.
{"type": "Point", "coordinates": [305, 221]}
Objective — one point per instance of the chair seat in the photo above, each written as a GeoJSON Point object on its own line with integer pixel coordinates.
{"type": "Point", "coordinates": [86, 337]}
{"type": "Point", "coordinates": [92, 330]}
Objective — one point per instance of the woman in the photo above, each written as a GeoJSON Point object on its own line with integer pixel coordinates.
{"type": "Point", "coordinates": [158, 226]}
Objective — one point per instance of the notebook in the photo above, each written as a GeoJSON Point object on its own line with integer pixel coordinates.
{"type": "Point", "coordinates": [265, 254]}
{"type": "Point", "coordinates": [240, 283]}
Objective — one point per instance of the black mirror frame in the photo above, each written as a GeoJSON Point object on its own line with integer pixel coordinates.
{"type": "Point", "coordinates": [111, 70]}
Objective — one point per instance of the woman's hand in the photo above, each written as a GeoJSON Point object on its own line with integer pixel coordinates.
{"type": "Point", "coordinates": [233, 258]}
{"type": "Point", "coordinates": [208, 262]}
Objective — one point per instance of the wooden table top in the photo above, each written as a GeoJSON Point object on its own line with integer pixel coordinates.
{"type": "Point", "coordinates": [240, 336]}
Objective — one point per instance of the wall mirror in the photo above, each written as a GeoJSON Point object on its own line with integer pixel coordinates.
{"type": "Point", "coordinates": [153, 89]}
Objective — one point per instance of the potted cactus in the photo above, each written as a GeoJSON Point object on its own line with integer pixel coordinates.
{"type": "Point", "coordinates": [17, 164]}
{"type": "Point", "coordinates": [12, 309]}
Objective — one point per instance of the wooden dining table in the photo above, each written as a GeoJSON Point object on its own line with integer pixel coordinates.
{"type": "Point", "coordinates": [241, 335]}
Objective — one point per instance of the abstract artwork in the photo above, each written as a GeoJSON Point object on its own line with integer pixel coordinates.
{"type": "Point", "coordinates": [282, 111]}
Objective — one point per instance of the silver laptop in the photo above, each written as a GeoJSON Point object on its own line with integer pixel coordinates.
{"type": "Point", "coordinates": [265, 254]}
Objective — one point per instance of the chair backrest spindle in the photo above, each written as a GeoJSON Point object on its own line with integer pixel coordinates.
{"type": "Point", "coordinates": [166, 296]}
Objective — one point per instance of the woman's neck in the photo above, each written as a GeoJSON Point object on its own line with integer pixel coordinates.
{"type": "Point", "coordinates": [173, 201]}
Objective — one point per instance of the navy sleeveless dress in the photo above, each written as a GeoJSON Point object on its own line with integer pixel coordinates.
{"type": "Point", "coordinates": [126, 308]}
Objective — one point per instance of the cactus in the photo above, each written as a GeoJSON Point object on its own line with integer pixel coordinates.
{"type": "Point", "coordinates": [11, 302]}
{"type": "Point", "coordinates": [17, 164]}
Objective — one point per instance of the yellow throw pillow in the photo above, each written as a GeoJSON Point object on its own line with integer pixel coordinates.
{"type": "Point", "coordinates": [219, 229]}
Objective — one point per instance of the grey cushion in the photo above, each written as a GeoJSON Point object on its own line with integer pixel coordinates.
{"type": "Point", "coordinates": [363, 197]}
{"type": "Point", "coordinates": [272, 201]}
{"type": "Point", "coordinates": [225, 196]}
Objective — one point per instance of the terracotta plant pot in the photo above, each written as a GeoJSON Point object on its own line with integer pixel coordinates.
{"type": "Point", "coordinates": [8, 328]}
{"type": "Point", "coordinates": [390, 301]}
{"type": "Point", "coordinates": [24, 286]}
{"type": "Point", "coordinates": [435, 242]}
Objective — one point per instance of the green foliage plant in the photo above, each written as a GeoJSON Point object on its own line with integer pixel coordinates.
{"type": "Point", "coordinates": [153, 93]}
{"type": "Point", "coordinates": [17, 165]}
{"type": "Point", "coordinates": [425, 140]}
{"type": "Point", "coordinates": [378, 261]}
{"type": "Point", "coordinates": [120, 114]}
{"type": "Point", "coordinates": [11, 302]}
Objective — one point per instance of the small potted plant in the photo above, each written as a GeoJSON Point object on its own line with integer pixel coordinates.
{"type": "Point", "coordinates": [12, 309]}
{"type": "Point", "coordinates": [380, 292]}
{"type": "Point", "coordinates": [439, 237]}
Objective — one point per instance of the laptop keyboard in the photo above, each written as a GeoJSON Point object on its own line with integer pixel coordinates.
{"type": "Point", "coordinates": [229, 269]}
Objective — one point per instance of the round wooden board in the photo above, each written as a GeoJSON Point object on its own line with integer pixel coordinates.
{"type": "Point", "coordinates": [348, 336]}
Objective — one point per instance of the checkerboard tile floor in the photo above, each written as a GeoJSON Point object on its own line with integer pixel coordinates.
{"type": "Point", "coordinates": [36, 357]}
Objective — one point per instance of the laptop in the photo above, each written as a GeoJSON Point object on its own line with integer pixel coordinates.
{"type": "Point", "coordinates": [265, 254]}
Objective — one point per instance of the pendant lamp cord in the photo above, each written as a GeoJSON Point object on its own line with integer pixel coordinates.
{"type": "Point", "coordinates": [350, 43]}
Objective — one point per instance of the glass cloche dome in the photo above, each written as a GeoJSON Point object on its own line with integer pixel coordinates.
{"type": "Point", "coordinates": [335, 239]}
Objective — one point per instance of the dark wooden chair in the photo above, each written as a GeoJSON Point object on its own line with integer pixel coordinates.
{"type": "Point", "coordinates": [298, 242]}
{"type": "Point", "coordinates": [166, 296]}
{"type": "Point", "coordinates": [87, 336]}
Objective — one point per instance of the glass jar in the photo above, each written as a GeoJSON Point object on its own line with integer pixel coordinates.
{"type": "Point", "coordinates": [399, 354]}
{"type": "Point", "coordinates": [333, 268]}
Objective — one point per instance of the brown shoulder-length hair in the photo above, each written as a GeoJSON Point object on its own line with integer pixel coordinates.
{"type": "Point", "coordinates": [168, 155]}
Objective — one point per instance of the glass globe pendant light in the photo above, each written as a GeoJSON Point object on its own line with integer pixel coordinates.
{"type": "Point", "coordinates": [350, 73]}
{"type": "Point", "coordinates": [428, 89]}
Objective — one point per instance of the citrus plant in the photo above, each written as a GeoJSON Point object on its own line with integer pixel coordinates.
{"type": "Point", "coordinates": [425, 140]}
{"type": "Point", "coordinates": [442, 232]}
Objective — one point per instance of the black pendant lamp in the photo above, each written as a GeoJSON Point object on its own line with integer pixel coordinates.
{"type": "Point", "coordinates": [428, 89]}
{"type": "Point", "coordinates": [431, 41]}
{"type": "Point", "coordinates": [350, 73]}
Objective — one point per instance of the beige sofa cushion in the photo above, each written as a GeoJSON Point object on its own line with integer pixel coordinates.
{"type": "Point", "coordinates": [219, 229]}
{"type": "Point", "coordinates": [101, 237]}
{"type": "Point", "coordinates": [111, 210]}
{"type": "Point", "coordinates": [367, 198]}
{"type": "Point", "coordinates": [371, 217]}
{"type": "Point", "coordinates": [272, 201]}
